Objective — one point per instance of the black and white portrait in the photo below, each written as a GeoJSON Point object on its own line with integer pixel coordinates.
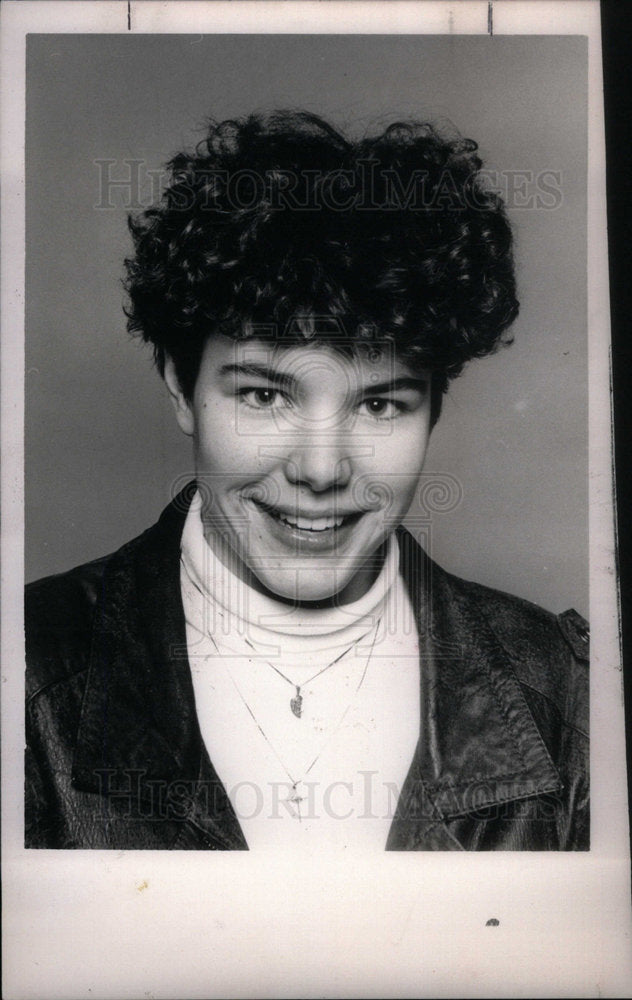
{"type": "Point", "coordinates": [295, 654]}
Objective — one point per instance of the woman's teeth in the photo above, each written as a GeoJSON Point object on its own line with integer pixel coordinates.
{"type": "Point", "coordinates": [301, 523]}
{"type": "Point", "coordinates": [311, 524]}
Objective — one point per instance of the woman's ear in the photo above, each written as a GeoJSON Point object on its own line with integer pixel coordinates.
{"type": "Point", "coordinates": [184, 412]}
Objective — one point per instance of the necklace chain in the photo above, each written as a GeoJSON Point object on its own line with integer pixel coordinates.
{"type": "Point", "coordinates": [296, 703]}
{"type": "Point", "coordinates": [295, 797]}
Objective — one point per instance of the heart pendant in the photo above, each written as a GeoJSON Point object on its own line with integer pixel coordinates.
{"type": "Point", "coordinates": [296, 705]}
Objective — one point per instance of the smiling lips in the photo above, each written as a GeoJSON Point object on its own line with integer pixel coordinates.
{"type": "Point", "coordinates": [311, 524]}
{"type": "Point", "coordinates": [321, 523]}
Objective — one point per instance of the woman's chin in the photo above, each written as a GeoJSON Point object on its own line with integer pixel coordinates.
{"type": "Point", "coordinates": [314, 587]}
{"type": "Point", "coordinates": [295, 588]}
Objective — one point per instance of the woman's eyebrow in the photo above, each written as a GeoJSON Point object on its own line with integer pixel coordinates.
{"type": "Point", "coordinates": [420, 384]}
{"type": "Point", "coordinates": [252, 370]}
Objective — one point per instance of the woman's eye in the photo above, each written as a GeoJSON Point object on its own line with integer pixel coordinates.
{"type": "Point", "coordinates": [380, 407]}
{"type": "Point", "coordinates": [262, 398]}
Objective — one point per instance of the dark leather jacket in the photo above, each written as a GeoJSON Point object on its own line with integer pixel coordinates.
{"type": "Point", "coordinates": [115, 758]}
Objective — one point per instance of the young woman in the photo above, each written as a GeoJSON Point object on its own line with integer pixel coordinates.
{"type": "Point", "coordinates": [277, 663]}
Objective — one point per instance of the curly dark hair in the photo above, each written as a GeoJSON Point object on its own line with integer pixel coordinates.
{"type": "Point", "coordinates": [280, 217]}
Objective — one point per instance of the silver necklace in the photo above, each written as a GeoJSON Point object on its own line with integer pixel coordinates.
{"type": "Point", "coordinates": [296, 703]}
{"type": "Point", "coordinates": [294, 796]}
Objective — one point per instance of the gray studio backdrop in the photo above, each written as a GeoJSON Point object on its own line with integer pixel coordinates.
{"type": "Point", "coordinates": [102, 448]}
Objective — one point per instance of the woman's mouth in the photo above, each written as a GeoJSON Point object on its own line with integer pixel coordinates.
{"type": "Point", "coordinates": [316, 524]}
{"type": "Point", "coordinates": [307, 523]}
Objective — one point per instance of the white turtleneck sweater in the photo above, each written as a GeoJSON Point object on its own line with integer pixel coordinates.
{"type": "Point", "coordinates": [331, 776]}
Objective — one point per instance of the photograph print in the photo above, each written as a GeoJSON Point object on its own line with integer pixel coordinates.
{"type": "Point", "coordinates": [306, 443]}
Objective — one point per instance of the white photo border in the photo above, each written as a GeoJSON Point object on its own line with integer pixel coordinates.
{"type": "Point", "coordinates": [137, 924]}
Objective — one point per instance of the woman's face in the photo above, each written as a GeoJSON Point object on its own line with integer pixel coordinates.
{"type": "Point", "coordinates": [306, 459]}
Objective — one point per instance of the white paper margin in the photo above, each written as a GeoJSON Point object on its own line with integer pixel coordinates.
{"type": "Point", "coordinates": [152, 924]}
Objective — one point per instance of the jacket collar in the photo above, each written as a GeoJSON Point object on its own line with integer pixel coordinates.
{"type": "Point", "coordinates": [478, 747]}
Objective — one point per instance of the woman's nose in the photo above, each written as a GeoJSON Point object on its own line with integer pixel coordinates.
{"type": "Point", "coordinates": [319, 462]}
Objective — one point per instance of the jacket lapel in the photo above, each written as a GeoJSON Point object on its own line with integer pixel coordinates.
{"type": "Point", "coordinates": [139, 739]}
{"type": "Point", "coordinates": [479, 746]}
